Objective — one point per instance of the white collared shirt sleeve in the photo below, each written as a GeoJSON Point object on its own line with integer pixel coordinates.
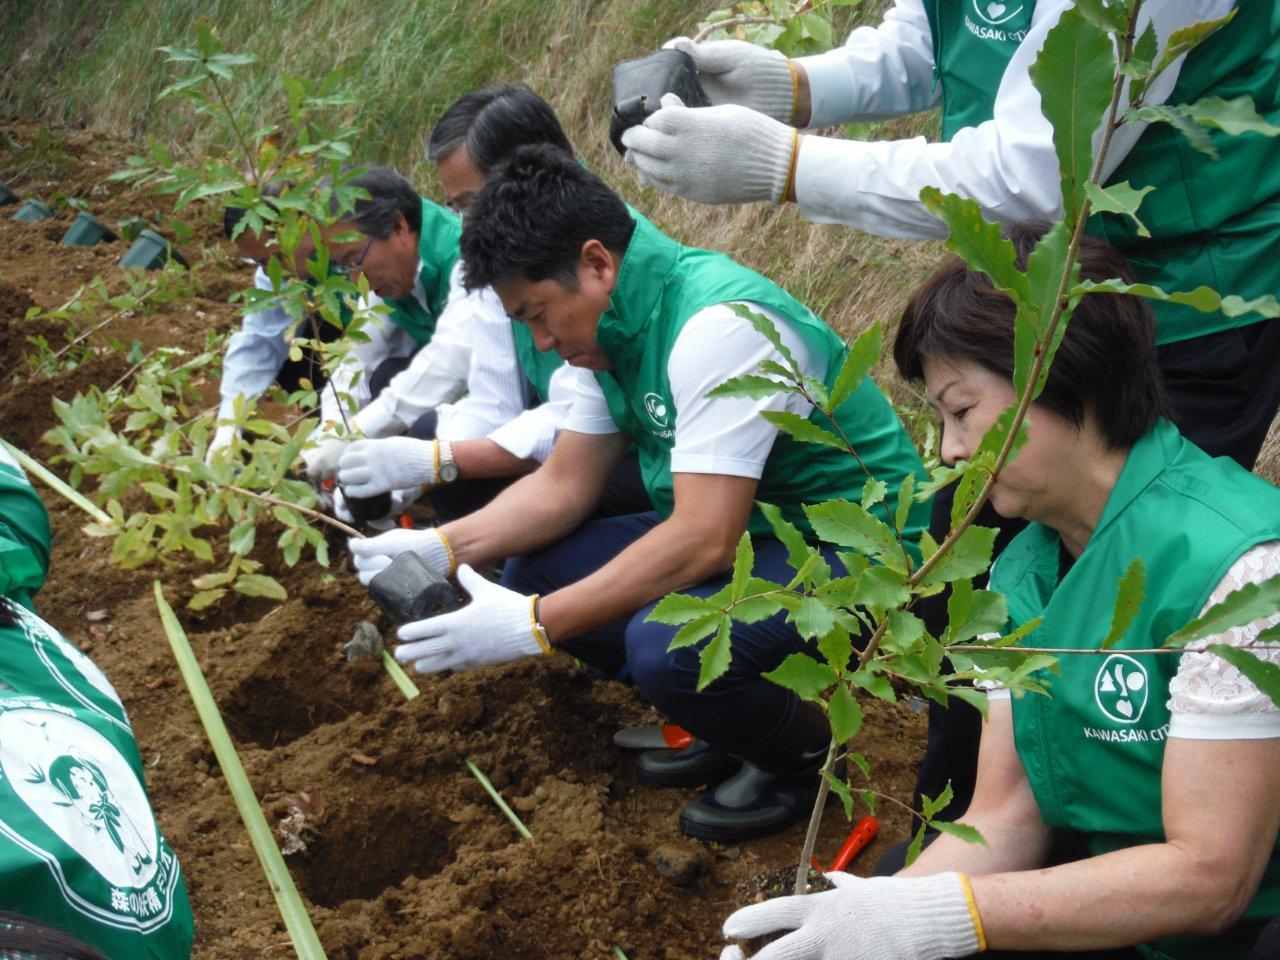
{"type": "Point", "coordinates": [495, 385]}
{"type": "Point", "coordinates": [1209, 699]}
{"type": "Point", "coordinates": [438, 371]}
{"type": "Point", "coordinates": [351, 377]}
{"type": "Point", "coordinates": [588, 409]}
{"type": "Point", "coordinates": [532, 435]}
{"type": "Point", "coordinates": [727, 435]}
{"type": "Point", "coordinates": [1007, 164]}
{"type": "Point", "coordinates": [255, 353]}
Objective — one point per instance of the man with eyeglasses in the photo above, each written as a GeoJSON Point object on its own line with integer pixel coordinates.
{"type": "Point", "coordinates": [417, 357]}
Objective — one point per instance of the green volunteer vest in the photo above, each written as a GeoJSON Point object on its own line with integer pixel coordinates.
{"type": "Point", "coordinates": [438, 250]}
{"type": "Point", "coordinates": [25, 535]}
{"type": "Point", "coordinates": [536, 366]}
{"type": "Point", "coordinates": [1093, 752]}
{"type": "Point", "coordinates": [79, 845]}
{"type": "Point", "coordinates": [1214, 222]}
{"type": "Point", "coordinates": [661, 284]}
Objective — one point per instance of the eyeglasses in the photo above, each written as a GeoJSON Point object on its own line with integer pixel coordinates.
{"type": "Point", "coordinates": [350, 266]}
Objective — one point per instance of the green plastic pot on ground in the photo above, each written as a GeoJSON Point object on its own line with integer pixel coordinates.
{"type": "Point", "coordinates": [6, 194]}
{"type": "Point", "coordinates": [33, 210]}
{"type": "Point", "coordinates": [86, 231]}
{"type": "Point", "coordinates": [150, 252]}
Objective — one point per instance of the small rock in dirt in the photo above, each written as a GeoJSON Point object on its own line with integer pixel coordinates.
{"type": "Point", "coordinates": [363, 759]}
{"type": "Point", "coordinates": [680, 862]}
{"type": "Point", "coordinates": [366, 641]}
{"type": "Point", "coordinates": [96, 616]}
{"type": "Point", "coordinates": [731, 852]}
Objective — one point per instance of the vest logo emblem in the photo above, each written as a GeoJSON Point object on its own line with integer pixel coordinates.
{"type": "Point", "coordinates": [996, 13]}
{"type": "Point", "coordinates": [1121, 689]}
{"type": "Point", "coordinates": [657, 409]}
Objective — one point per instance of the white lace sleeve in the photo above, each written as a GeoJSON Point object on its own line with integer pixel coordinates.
{"type": "Point", "coordinates": [1208, 698]}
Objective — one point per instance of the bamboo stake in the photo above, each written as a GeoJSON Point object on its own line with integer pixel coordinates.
{"type": "Point", "coordinates": [497, 798]}
{"type": "Point", "coordinates": [305, 942]}
{"type": "Point", "coordinates": [407, 686]}
{"type": "Point", "coordinates": [56, 483]}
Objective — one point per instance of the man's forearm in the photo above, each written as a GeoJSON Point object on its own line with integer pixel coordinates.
{"type": "Point", "coordinates": [481, 458]}
{"type": "Point", "coordinates": [663, 560]}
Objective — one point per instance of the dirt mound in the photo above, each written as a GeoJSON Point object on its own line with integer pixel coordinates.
{"type": "Point", "coordinates": [394, 845]}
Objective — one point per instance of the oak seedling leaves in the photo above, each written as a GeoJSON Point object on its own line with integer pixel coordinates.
{"type": "Point", "coordinates": [1264, 673]}
{"type": "Point", "coordinates": [1251, 602]}
{"type": "Point", "coordinates": [1129, 593]}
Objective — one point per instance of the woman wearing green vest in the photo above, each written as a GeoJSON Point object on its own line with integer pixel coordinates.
{"type": "Point", "coordinates": [517, 397]}
{"type": "Point", "coordinates": [649, 328]}
{"type": "Point", "coordinates": [79, 845]}
{"type": "Point", "coordinates": [1163, 769]}
{"type": "Point", "coordinates": [415, 358]}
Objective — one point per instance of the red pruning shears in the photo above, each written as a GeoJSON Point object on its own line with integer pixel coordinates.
{"type": "Point", "coordinates": [863, 832]}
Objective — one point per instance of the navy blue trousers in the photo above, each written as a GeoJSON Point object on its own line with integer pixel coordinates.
{"type": "Point", "coordinates": [738, 711]}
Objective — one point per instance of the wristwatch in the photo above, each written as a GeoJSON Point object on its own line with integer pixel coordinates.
{"type": "Point", "coordinates": [446, 466]}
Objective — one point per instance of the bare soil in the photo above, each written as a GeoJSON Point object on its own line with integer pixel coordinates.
{"type": "Point", "coordinates": [397, 850]}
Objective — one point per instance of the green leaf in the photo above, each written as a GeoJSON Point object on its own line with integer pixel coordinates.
{"type": "Point", "coordinates": [847, 524]}
{"type": "Point", "coordinates": [798, 549]}
{"type": "Point", "coordinates": [1074, 74]}
{"type": "Point", "coordinates": [904, 633]}
{"type": "Point", "coordinates": [1119, 198]}
{"type": "Point", "coordinates": [240, 540]}
{"type": "Point", "coordinates": [206, 598]}
{"type": "Point", "coordinates": [1107, 15]}
{"type": "Point", "coordinates": [1233, 117]}
{"type": "Point", "coordinates": [743, 563]}
{"type": "Point", "coordinates": [1201, 298]}
{"type": "Point", "coordinates": [802, 675]}
{"type": "Point", "coordinates": [715, 656]}
{"type": "Point", "coordinates": [1045, 271]}
{"type": "Point", "coordinates": [979, 242]}
{"type": "Point", "coordinates": [1178, 117]}
{"type": "Point", "coordinates": [752, 385]}
{"type": "Point", "coordinates": [971, 613]}
{"type": "Point", "coordinates": [1129, 592]}
{"type": "Point", "coordinates": [906, 500]}
{"type": "Point", "coordinates": [845, 714]}
{"type": "Point", "coordinates": [857, 365]}
{"type": "Point", "coordinates": [881, 588]}
{"type": "Point", "coordinates": [259, 585]}
{"type": "Point", "coordinates": [769, 330]}
{"type": "Point", "coordinates": [1186, 39]}
{"type": "Point", "coordinates": [696, 630]}
{"type": "Point", "coordinates": [873, 492]}
{"type": "Point", "coordinates": [970, 557]}
{"type": "Point", "coordinates": [933, 806]}
{"type": "Point", "coordinates": [841, 790]}
{"type": "Point", "coordinates": [1264, 673]}
{"type": "Point", "coordinates": [1251, 602]}
{"type": "Point", "coordinates": [836, 646]}
{"type": "Point", "coordinates": [916, 845]}
{"type": "Point", "coordinates": [677, 608]}
{"type": "Point", "coordinates": [875, 684]}
{"type": "Point", "coordinates": [812, 618]}
{"type": "Point", "coordinates": [961, 831]}
{"type": "Point", "coordinates": [802, 429]}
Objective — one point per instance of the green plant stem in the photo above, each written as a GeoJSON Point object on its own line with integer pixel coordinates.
{"type": "Point", "coordinates": [618, 953]}
{"type": "Point", "coordinates": [55, 483]}
{"type": "Point", "coordinates": [400, 678]}
{"type": "Point", "coordinates": [744, 21]}
{"type": "Point", "coordinates": [85, 334]}
{"type": "Point", "coordinates": [305, 942]}
{"type": "Point", "coordinates": [250, 157]}
{"type": "Point", "coordinates": [815, 819]}
{"type": "Point", "coordinates": [497, 799]}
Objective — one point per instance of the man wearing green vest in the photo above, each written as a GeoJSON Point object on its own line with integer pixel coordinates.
{"type": "Point", "coordinates": [415, 358]}
{"type": "Point", "coordinates": [517, 397]}
{"type": "Point", "coordinates": [1214, 222]}
{"type": "Point", "coordinates": [650, 328]}
{"type": "Point", "coordinates": [1161, 770]}
{"type": "Point", "coordinates": [79, 845]}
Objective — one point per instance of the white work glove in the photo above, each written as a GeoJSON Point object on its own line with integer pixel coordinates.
{"type": "Point", "coordinates": [370, 467]}
{"type": "Point", "coordinates": [734, 71]}
{"type": "Point", "coordinates": [223, 438]}
{"type": "Point", "coordinates": [723, 154]}
{"type": "Point", "coordinates": [495, 627]}
{"type": "Point", "coordinates": [400, 499]}
{"type": "Point", "coordinates": [882, 918]}
{"type": "Point", "coordinates": [321, 460]}
{"type": "Point", "coordinates": [372, 555]}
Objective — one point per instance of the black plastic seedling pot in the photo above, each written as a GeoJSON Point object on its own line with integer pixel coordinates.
{"type": "Point", "coordinates": [33, 210]}
{"type": "Point", "coordinates": [7, 195]}
{"type": "Point", "coordinates": [639, 85]}
{"type": "Point", "coordinates": [150, 252]}
{"type": "Point", "coordinates": [86, 231]}
{"type": "Point", "coordinates": [408, 589]}
{"type": "Point", "coordinates": [368, 509]}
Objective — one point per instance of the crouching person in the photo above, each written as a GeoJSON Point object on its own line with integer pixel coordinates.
{"type": "Point", "coordinates": [79, 845]}
{"type": "Point", "coordinates": [650, 327]}
{"type": "Point", "coordinates": [1163, 771]}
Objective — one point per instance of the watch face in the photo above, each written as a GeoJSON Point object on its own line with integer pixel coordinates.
{"type": "Point", "coordinates": [448, 471]}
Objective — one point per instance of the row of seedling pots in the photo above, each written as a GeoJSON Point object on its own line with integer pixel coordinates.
{"type": "Point", "coordinates": [149, 250]}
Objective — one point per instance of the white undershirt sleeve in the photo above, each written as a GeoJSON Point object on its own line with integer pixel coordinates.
{"type": "Point", "coordinates": [727, 435]}
{"type": "Point", "coordinates": [588, 409]}
{"type": "Point", "coordinates": [1007, 164]}
{"type": "Point", "coordinates": [1209, 699]}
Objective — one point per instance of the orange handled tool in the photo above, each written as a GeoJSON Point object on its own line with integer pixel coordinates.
{"type": "Point", "coordinates": [405, 522]}
{"type": "Point", "coordinates": [863, 832]}
{"type": "Point", "coordinates": [677, 738]}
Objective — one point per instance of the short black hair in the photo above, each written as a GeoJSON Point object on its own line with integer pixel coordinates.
{"type": "Point", "coordinates": [492, 122]}
{"type": "Point", "coordinates": [1106, 365]}
{"type": "Point", "coordinates": [232, 215]}
{"type": "Point", "coordinates": [22, 936]}
{"type": "Point", "coordinates": [533, 217]}
{"type": "Point", "coordinates": [391, 196]}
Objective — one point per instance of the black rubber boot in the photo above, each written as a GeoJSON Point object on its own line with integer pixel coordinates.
{"type": "Point", "coordinates": [696, 765]}
{"type": "Point", "coordinates": [776, 786]}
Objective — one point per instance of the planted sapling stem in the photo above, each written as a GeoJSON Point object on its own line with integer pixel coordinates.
{"type": "Point", "coordinates": [497, 798]}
